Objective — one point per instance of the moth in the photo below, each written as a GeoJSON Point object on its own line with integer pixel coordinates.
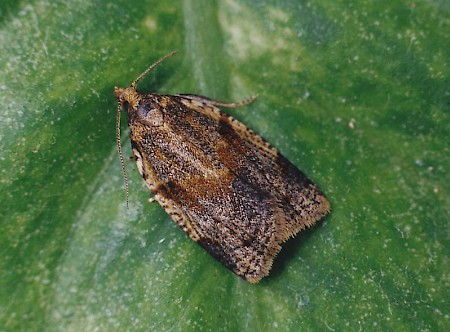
{"type": "Point", "coordinates": [225, 186]}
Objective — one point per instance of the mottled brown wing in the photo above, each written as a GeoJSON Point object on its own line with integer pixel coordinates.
{"type": "Point", "coordinates": [222, 184]}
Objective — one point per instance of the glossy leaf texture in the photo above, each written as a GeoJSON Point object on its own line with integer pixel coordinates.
{"type": "Point", "coordinates": [355, 94]}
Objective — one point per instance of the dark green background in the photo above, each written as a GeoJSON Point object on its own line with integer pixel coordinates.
{"type": "Point", "coordinates": [355, 93]}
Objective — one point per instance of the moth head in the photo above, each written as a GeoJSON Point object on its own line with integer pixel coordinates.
{"type": "Point", "coordinates": [118, 92]}
{"type": "Point", "coordinates": [128, 96]}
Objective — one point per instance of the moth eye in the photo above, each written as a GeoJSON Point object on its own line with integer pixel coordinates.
{"type": "Point", "coordinates": [152, 116]}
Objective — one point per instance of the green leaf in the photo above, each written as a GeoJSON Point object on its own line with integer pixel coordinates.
{"type": "Point", "coordinates": [354, 93]}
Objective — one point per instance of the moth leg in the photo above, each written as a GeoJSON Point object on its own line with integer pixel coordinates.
{"type": "Point", "coordinates": [208, 101]}
{"type": "Point", "coordinates": [152, 199]}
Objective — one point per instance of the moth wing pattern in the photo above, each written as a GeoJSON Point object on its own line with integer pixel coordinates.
{"type": "Point", "coordinates": [224, 185]}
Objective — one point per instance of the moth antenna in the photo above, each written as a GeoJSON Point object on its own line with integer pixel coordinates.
{"type": "Point", "coordinates": [133, 85]}
{"type": "Point", "coordinates": [119, 149]}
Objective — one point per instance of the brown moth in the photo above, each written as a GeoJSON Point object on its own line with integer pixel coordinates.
{"type": "Point", "coordinates": [224, 185]}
